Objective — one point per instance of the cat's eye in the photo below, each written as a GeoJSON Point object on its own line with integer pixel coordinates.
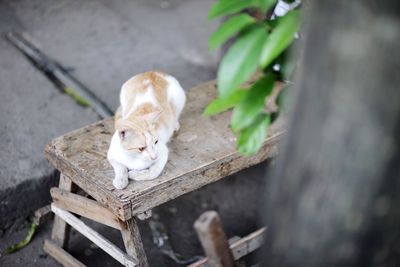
{"type": "Point", "coordinates": [122, 134]}
{"type": "Point", "coordinates": [141, 149]}
{"type": "Point", "coordinates": [156, 142]}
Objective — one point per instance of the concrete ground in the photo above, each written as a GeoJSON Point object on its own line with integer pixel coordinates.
{"type": "Point", "coordinates": [237, 199]}
{"type": "Point", "coordinates": [104, 43]}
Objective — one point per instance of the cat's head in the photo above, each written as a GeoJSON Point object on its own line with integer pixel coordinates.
{"type": "Point", "coordinates": [138, 135]}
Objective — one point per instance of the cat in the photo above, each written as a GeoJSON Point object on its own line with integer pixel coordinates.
{"type": "Point", "coordinates": [151, 104]}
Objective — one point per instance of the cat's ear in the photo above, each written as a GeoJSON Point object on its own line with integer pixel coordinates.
{"type": "Point", "coordinates": [152, 116]}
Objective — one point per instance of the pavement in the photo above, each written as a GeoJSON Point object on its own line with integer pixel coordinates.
{"type": "Point", "coordinates": [103, 43]}
{"type": "Point", "coordinates": [237, 198]}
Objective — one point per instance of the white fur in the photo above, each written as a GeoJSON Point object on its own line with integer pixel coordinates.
{"type": "Point", "coordinates": [143, 167]}
{"type": "Point", "coordinates": [176, 95]}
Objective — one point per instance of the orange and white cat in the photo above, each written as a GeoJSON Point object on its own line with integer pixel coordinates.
{"type": "Point", "coordinates": [151, 103]}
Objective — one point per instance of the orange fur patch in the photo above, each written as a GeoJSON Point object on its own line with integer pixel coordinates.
{"type": "Point", "coordinates": [137, 86]}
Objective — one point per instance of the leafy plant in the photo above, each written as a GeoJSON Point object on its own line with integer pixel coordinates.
{"type": "Point", "coordinates": [24, 242]}
{"type": "Point", "coordinates": [260, 44]}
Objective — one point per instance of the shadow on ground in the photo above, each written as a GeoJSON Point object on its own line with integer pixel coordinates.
{"type": "Point", "coordinates": [237, 198]}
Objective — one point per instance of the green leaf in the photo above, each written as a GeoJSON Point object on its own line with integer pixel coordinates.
{"type": "Point", "coordinates": [23, 243]}
{"type": "Point", "coordinates": [229, 28]}
{"type": "Point", "coordinates": [252, 104]}
{"type": "Point", "coordinates": [251, 139]}
{"type": "Point", "coordinates": [280, 38]}
{"type": "Point", "coordinates": [227, 7]}
{"type": "Point", "coordinates": [241, 61]}
{"type": "Point", "coordinates": [219, 105]}
{"type": "Point", "coordinates": [265, 5]}
{"type": "Point", "coordinates": [76, 96]}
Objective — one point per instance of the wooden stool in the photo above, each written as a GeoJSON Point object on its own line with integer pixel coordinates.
{"type": "Point", "coordinates": [201, 153]}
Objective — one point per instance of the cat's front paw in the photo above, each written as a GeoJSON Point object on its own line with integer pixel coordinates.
{"type": "Point", "coordinates": [120, 183]}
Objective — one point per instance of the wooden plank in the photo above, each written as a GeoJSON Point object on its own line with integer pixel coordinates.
{"type": "Point", "coordinates": [95, 237]}
{"type": "Point", "coordinates": [61, 230]}
{"type": "Point", "coordinates": [204, 155]}
{"type": "Point", "coordinates": [60, 255]}
{"type": "Point", "coordinates": [241, 247]}
{"type": "Point", "coordinates": [213, 240]}
{"type": "Point", "coordinates": [43, 214]}
{"type": "Point", "coordinates": [133, 242]}
{"type": "Point", "coordinates": [85, 207]}
{"type": "Point", "coordinates": [248, 243]}
{"type": "Point", "coordinates": [145, 215]}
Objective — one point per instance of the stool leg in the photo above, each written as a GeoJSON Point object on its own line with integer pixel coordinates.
{"type": "Point", "coordinates": [60, 232]}
{"type": "Point", "coordinates": [133, 242]}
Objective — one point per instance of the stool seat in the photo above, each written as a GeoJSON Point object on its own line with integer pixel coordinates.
{"type": "Point", "coordinates": [202, 152]}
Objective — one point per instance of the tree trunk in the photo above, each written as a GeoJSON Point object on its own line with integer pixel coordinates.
{"type": "Point", "coordinates": [334, 199]}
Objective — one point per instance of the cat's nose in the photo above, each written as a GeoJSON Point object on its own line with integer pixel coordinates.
{"type": "Point", "coordinates": [153, 156]}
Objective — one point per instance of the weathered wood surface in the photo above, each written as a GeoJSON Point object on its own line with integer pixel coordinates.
{"type": "Point", "coordinates": [202, 152]}
{"type": "Point", "coordinates": [43, 214]}
{"type": "Point", "coordinates": [241, 247]}
{"type": "Point", "coordinates": [213, 240]}
{"type": "Point", "coordinates": [133, 242]}
{"type": "Point", "coordinates": [145, 215]}
{"type": "Point", "coordinates": [95, 237]}
{"type": "Point", "coordinates": [61, 230]}
{"type": "Point", "coordinates": [60, 255]}
{"type": "Point", "coordinates": [84, 207]}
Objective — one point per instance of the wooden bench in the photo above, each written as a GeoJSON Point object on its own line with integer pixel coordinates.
{"type": "Point", "coordinates": [201, 153]}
